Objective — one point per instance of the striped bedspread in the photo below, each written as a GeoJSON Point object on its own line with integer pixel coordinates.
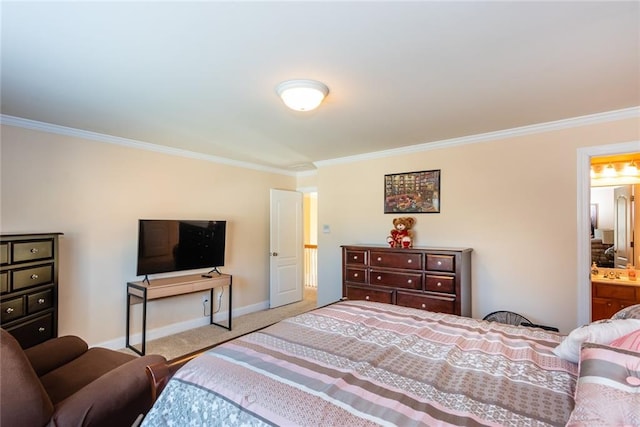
{"type": "Point", "coordinates": [358, 363]}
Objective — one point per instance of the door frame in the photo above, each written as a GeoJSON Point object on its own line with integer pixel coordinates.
{"type": "Point", "coordinates": [584, 219]}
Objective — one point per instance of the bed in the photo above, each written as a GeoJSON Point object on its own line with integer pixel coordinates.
{"type": "Point", "coordinates": [360, 363]}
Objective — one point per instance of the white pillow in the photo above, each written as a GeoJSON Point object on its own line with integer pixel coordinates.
{"type": "Point", "coordinates": [599, 332]}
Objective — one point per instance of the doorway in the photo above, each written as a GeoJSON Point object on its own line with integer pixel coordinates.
{"type": "Point", "coordinates": [584, 220]}
{"type": "Point", "coordinates": [310, 220]}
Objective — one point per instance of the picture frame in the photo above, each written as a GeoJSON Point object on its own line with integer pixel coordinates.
{"type": "Point", "coordinates": [412, 192]}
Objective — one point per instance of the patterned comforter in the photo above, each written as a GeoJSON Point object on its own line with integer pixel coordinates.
{"type": "Point", "coordinates": [358, 363]}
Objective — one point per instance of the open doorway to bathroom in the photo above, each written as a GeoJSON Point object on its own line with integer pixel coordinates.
{"type": "Point", "coordinates": [584, 256]}
{"type": "Point", "coordinates": [615, 183]}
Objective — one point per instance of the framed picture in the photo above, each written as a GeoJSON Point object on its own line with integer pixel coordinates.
{"type": "Point", "coordinates": [412, 192]}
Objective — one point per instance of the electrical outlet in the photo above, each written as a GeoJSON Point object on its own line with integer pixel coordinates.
{"type": "Point", "coordinates": [205, 300]}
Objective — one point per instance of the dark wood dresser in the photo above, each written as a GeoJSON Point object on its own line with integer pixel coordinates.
{"type": "Point", "coordinates": [29, 286]}
{"type": "Point", "coordinates": [434, 279]}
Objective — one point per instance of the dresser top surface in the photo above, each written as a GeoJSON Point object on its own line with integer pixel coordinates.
{"type": "Point", "coordinates": [415, 248]}
{"type": "Point", "coordinates": [15, 236]}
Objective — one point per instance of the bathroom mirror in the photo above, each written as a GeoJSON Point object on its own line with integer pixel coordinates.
{"type": "Point", "coordinates": [614, 214]}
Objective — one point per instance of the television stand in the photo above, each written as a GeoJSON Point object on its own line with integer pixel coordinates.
{"type": "Point", "coordinates": [144, 290]}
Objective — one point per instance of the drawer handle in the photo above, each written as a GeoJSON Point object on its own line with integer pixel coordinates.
{"type": "Point", "coordinates": [41, 300]}
{"type": "Point", "coordinates": [41, 329]}
{"type": "Point", "coordinates": [379, 277]}
{"type": "Point", "coordinates": [439, 284]}
{"type": "Point", "coordinates": [355, 274]}
{"type": "Point", "coordinates": [34, 276]}
{"type": "Point", "coordinates": [34, 250]}
{"type": "Point", "coordinates": [424, 305]}
{"type": "Point", "coordinates": [409, 261]}
{"type": "Point", "coordinates": [439, 262]}
{"type": "Point", "coordinates": [9, 310]}
{"type": "Point", "coordinates": [409, 281]}
{"type": "Point", "coordinates": [367, 297]}
{"type": "Point", "coordinates": [355, 257]}
{"type": "Point", "coordinates": [379, 258]}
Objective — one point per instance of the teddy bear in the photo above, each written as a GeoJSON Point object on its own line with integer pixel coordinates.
{"type": "Point", "coordinates": [401, 235]}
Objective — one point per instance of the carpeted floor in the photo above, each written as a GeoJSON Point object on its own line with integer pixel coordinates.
{"type": "Point", "coordinates": [174, 346]}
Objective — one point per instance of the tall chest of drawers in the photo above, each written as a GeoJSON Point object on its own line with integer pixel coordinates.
{"type": "Point", "coordinates": [29, 286]}
{"type": "Point", "coordinates": [434, 279]}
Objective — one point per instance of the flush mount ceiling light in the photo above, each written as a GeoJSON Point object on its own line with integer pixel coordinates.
{"type": "Point", "coordinates": [302, 95]}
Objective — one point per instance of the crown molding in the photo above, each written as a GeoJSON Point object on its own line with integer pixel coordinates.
{"type": "Point", "coordinates": [131, 143]}
{"type": "Point", "coordinates": [609, 116]}
{"type": "Point", "coordinates": [473, 139]}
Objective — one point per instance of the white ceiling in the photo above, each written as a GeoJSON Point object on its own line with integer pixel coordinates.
{"type": "Point", "coordinates": [201, 76]}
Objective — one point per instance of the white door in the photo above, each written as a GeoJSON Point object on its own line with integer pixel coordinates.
{"type": "Point", "coordinates": [286, 251]}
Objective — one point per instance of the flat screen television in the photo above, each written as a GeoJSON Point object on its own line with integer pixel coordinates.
{"type": "Point", "coordinates": [175, 245]}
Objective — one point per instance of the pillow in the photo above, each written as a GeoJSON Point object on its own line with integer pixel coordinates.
{"type": "Point", "coordinates": [608, 387]}
{"type": "Point", "coordinates": [629, 342]}
{"type": "Point", "coordinates": [599, 332]}
{"type": "Point", "coordinates": [631, 312]}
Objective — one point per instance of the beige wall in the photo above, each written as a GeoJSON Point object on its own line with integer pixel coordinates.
{"type": "Point", "coordinates": [95, 193]}
{"type": "Point", "coordinates": [513, 200]}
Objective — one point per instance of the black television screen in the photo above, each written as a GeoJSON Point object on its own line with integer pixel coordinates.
{"type": "Point", "coordinates": [176, 245]}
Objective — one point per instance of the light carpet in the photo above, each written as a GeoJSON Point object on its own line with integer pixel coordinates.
{"type": "Point", "coordinates": [193, 340]}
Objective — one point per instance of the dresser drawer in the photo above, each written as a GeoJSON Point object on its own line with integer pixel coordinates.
{"type": "Point", "coordinates": [34, 276]}
{"type": "Point", "coordinates": [39, 301]}
{"type": "Point", "coordinates": [4, 253]}
{"type": "Point", "coordinates": [12, 309]}
{"type": "Point", "coordinates": [34, 331]}
{"type": "Point", "coordinates": [441, 262]}
{"type": "Point", "coordinates": [369, 294]}
{"type": "Point", "coordinates": [355, 257]}
{"type": "Point", "coordinates": [32, 251]}
{"type": "Point", "coordinates": [446, 284]}
{"type": "Point", "coordinates": [355, 275]}
{"type": "Point", "coordinates": [4, 282]}
{"type": "Point", "coordinates": [427, 302]}
{"type": "Point", "coordinates": [396, 280]}
{"type": "Point", "coordinates": [407, 260]}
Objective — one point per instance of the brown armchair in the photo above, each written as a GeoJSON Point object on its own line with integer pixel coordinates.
{"type": "Point", "coordinates": [62, 382]}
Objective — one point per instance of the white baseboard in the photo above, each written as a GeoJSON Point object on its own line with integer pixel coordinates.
{"type": "Point", "coordinates": [175, 328]}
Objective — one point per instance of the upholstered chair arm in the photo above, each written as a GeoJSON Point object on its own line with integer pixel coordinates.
{"type": "Point", "coordinates": [24, 400]}
{"type": "Point", "coordinates": [53, 353]}
{"type": "Point", "coordinates": [159, 375]}
{"type": "Point", "coordinates": [114, 399]}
